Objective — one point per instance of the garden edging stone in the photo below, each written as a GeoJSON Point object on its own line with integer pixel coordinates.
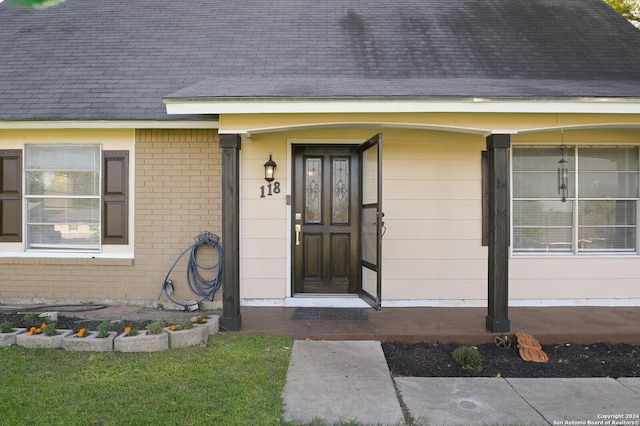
{"type": "Point", "coordinates": [8, 339]}
{"type": "Point", "coordinates": [143, 342]}
{"type": "Point", "coordinates": [196, 336]}
{"type": "Point", "coordinates": [91, 342]}
{"type": "Point", "coordinates": [42, 340]}
{"type": "Point", "coordinates": [212, 324]}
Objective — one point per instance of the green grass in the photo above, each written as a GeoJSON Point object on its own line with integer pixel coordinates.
{"type": "Point", "coordinates": [235, 380]}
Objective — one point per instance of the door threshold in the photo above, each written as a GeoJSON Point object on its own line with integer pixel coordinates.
{"type": "Point", "coordinates": [325, 301]}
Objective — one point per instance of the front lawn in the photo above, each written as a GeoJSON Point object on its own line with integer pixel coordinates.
{"type": "Point", "coordinates": [235, 380]}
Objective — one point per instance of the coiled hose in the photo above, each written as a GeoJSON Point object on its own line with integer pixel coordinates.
{"type": "Point", "coordinates": [199, 285]}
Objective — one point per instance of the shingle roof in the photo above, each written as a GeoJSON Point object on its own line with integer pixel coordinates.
{"type": "Point", "coordinates": [117, 59]}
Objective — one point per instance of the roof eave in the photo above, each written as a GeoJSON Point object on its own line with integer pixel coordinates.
{"type": "Point", "coordinates": [273, 105]}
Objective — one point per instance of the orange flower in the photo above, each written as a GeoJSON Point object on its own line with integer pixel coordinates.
{"type": "Point", "coordinates": [204, 320]}
{"type": "Point", "coordinates": [82, 332]}
{"type": "Point", "coordinates": [127, 330]}
{"type": "Point", "coordinates": [173, 328]}
{"type": "Point", "coordinates": [38, 330]}
{"type": "Point", "coordinates": [194, 319]}
{"type": "Point", "coordinates": [32, 329]}
{"type": "Point", "coordinates": [44, 325]}
{"type": "Point", "coordinates": [30, 333]}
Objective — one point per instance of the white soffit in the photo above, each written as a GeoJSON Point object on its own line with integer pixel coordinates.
{"type": "Point", "coordinates": [472, 105]}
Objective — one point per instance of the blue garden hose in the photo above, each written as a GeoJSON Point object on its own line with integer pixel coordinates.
{"type": "Point", "coordinates": [199, 285]}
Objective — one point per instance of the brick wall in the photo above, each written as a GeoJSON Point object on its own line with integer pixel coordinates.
{"type": "Point", "coordinates": [177, 196]}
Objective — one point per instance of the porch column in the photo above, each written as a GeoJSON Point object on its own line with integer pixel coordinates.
{"type": "Point", "coordinates": [497, 317]}
{"type": "Point", "coordinates": [230, 146]}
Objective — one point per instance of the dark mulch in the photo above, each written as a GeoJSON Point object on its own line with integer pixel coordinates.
{"type": "Point", "coordinates": [565, 360]}
{"type": "Point", "coordinates": [75, 324]}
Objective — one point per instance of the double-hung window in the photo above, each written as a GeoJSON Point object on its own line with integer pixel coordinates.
{"type": "Point", "coordinates": [575, 199]}
{"type": "Point", "coordinates": [64, 198]}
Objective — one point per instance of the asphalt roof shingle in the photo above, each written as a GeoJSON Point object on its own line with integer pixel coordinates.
{"type": "Point", "coordinates": [117, 59]}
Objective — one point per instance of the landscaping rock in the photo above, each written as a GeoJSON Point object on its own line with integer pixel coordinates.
{"type": "Point", "coordinates": [8, 339]}
{"type": "Point", "coordinates": [89, 343]}
{"type": "Point", "coordinates": [196, 336]}
{"type": "Point", "coordinates": [143, 342]}
{"type": "Point", "coordinates": [42, 340]}
{"type": "Point", "coordinates": [212, 324]}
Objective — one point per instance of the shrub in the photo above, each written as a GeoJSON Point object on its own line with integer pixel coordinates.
{"type": "Point", "coordinates": [468, 357]}
{"type": "Point", "coordinates": [156, 327]}
{"type": "Point", "coordinates": [6, 327]}
{"type": "Point", "coordinates": [131, 331]}
{"type": "Point", "coordinates": [31, 318]}
{"type": "Point", "coordinates": [199, 320]}
{"type": "Point", "coordinates": [51, 330]}
{"type": "Point", "coordinates": [103, 329]}
{"type": "Point", "coordinates": [186, 325]}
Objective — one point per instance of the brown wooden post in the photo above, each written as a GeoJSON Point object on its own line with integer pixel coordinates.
{"type": "Point", "coordinates": [230, 146]}
{"type": "Point", "coordinates": [497, 320]}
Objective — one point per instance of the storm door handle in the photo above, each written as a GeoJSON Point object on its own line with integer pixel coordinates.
{"type": "Point", "coordinates": [298, 230]}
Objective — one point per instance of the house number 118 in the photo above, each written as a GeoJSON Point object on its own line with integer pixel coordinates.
{"type": "Point", "coordinates": [271, 189]}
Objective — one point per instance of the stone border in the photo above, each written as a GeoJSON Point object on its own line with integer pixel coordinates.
{"type": "Point", "coordinates": [212, 324]}
{"type": "Point", "coordinates": [196, 336]}
{"type": "Point", "coordinates": [8, 339]}
{"type": "Point", "coordinates": [143, 342]}
{"type": "Point", "coordinates": [91, 342]}
{"type": "Point", "coordinates": [41, 340]}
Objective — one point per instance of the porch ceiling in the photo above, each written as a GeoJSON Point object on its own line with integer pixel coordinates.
{"type": "Point", "coordinates": [478, 124]}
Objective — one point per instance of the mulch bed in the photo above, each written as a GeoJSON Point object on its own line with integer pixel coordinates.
{"type": "Point", "coordinates": [565, 360]}
{"type": "Point", "coordinates": [75, 324]}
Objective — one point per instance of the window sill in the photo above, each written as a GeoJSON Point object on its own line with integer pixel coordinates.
{"type": "Point", "coordinates": [575, 256]}
{"type": "Point", "coordinates": [66, 259]}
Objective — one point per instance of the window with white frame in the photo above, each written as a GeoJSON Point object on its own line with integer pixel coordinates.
{"type": "Point", "coordinates": [575, 199]}
{"type": "Point", "coordinates": [62, 196]}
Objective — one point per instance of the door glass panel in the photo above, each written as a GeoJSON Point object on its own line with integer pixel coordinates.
{"type": "Point", "coordinates": [370, 176]}
{"type": "Point", "coordinates": [369, 236]}
{"type": "Point", "coordinates": [369, 281]}
{"type": "Point", "coordinates": [340, 180]}
{"type": "Point", "coordinates": [313, 190]}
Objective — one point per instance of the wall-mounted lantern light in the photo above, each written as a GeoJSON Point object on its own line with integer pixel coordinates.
{"type": "Point", "coordinates": [269, 169]}
{"type": "Point", "coordinates": [563, 172]}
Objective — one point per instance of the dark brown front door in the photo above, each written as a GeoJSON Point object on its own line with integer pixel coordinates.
{"type": "Point", "coordinates": [326, 219]}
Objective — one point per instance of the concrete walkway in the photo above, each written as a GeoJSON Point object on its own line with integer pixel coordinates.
{"type": "Point", "coordinates": [349, 381]}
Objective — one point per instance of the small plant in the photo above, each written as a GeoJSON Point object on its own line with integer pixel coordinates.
{"type": "Point", "coordinates": [40, 330]}
{"type": "Point", "coordinates": [50, 330]}
{"type": "Point", "coordinates": [30, 317]}
{"type": "Point", "coordinates": [199, 320]}
{"type": "Point", "coordinates": [186, 325]}
{"type": "Point", "coordinates": [6, 327]}
{"type": "Point", "coordinates": [103, 329]}
{"type": "Point", "coordinates": [155, 327]}
{"type": "Point", "coordinates": [131, 331]}
{"type": "Point", "coordinates": [160, 306]}
{"type": "Point", "coordinates": [468, 357]}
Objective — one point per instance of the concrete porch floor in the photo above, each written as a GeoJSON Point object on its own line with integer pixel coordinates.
{"type": "Point", "coordinates": [454, 325]}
